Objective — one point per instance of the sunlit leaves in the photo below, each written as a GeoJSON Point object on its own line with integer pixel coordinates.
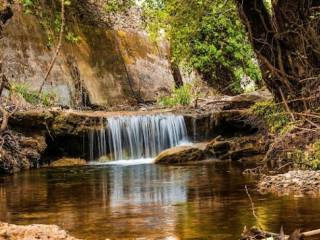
{"type": "Point", "coordinates": [203, 35]}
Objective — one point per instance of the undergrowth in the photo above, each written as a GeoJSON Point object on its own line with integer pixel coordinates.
{"type": "Point", "coordinates": [115, 6]}
{"type": "Point", "coordinates": [180, 96]}
{"type": "Point", "coordinates": [304, 157]}
{"type": "Point", "coordinates": [274, 115]}
{"type": "Point", "coordinates": [308, 158]}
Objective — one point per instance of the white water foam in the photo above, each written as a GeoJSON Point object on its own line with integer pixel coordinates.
{"type": "Point", "coordinates": [131, 162]}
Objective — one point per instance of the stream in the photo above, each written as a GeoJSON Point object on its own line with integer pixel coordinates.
{"type": "Point", "coordinates": [148, 201]}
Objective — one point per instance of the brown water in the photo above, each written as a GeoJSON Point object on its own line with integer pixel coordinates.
{"type": "Point", "coordinates": [148, 202]}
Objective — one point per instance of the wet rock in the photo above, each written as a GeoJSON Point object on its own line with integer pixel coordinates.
{"type": "Point", "coordinates": [68, 162]}
{"type": "Point", "coordinates": [33, 232]}
{"type": "Point", "coordinates": [297, 183]}
{"type": "Point", "coordinates": [180, 155]}
{"type": "Point", "coordinates": [239, 148]}
{"type": "Point", "coordinates": [219, 148]}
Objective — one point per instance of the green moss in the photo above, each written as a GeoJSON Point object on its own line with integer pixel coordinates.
{"type": "Point", "coordinates": [274, 115]}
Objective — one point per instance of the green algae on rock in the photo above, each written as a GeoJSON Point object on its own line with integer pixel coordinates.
{"type": "Point", "coordinates": [68, 162]}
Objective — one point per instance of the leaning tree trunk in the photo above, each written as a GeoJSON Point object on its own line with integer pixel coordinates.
{"type": "Point", "coordinates": [287, 44]}
{"type": "Point", "coordinates": [5, 15]}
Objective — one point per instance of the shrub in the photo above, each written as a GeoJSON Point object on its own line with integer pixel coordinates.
{"type": "Point", "coordinates": [308, 159]}
{"type": "Point", "coordinates": [114, 6]}
{"type": "Point", "coordinates": [180, 96]}
{"type": "Point", "coordinates": [28, 5]}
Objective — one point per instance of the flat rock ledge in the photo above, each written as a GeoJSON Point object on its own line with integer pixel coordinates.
{"type": "Point", "coordinates": [33, 232]}
{"type": "Point", "coordinates": [297, 183]}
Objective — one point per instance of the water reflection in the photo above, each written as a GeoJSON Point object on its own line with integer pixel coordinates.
{"type": "Point", "coordinates": [146, 185]}
{"type": "Point", "coordinates": [154, 202]}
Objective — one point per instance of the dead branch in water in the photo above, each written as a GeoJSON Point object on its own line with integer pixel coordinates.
{"type": "Point", "coordinates": [255, 233]}
{"type": "Point", "coordinates": [253, 207]}
{"type": "Point", "coordinates": [258, 233]}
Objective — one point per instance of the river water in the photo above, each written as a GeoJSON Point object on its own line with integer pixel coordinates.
{"type": "Point", "coordinates": [149, 202]}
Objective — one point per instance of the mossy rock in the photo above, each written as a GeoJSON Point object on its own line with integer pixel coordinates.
{"type": "Point", "coordinates": [68, 162]}
{"type": "Point", "coordinates": [180, 155]}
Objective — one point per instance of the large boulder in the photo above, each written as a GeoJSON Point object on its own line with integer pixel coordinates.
{"type": "Point", "coordinates": [180, 155]}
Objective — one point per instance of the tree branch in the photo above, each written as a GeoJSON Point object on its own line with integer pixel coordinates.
{"type": "Point", "coordinates": [57, 49]}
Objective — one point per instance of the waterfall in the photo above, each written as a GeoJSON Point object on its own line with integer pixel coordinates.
{"type": "Point", "coordinates": [136, 137]}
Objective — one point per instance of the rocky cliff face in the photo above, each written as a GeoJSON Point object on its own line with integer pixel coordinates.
{"type": "Point", "coordinates": [114, 61]}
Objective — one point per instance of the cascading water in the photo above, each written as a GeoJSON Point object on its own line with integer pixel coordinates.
{"type": "Point", "coordinates": [136, 137]}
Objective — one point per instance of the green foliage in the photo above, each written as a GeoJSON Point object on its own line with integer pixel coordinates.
{"type": "Point", "coordinates": [307, 159]}
{"type": "Point", "coordinates": [180, 96]}
{"type": "Point", "coordinates": [50, 21]}
{"type": "Point", "coordinates": [32, 97]}
{"type": "Point", "coordinates": [57, 22]}
{"type": "Point", "coordinates": [268, 5]}
{"type": "Point", "coordinates": [28, 5]}
{"type": "Point", "coordinates": [204, 35]}
{"type": "Point", "coordinates": [114, 6]}
{"type": "Point", "coordinates": [72, 38]}
{"type": "Point", "coordinates": [274, 115]}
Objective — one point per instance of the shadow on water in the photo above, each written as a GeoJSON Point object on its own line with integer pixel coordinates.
{"type": "Point", "coordinates": [98, 202]}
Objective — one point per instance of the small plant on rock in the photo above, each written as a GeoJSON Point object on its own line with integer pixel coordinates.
{"type": "Point", "coordinates": [180, 96]}
{"type": "Point", "coordinates": [46, 99]}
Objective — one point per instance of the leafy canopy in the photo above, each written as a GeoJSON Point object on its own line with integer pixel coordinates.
{"type": "Point", "coordinates": [204, 35]}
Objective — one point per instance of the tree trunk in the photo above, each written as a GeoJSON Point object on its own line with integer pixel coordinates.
{"type": "Point", "coordinates": [287, 44]}
{"type": "Point", "coordinates": [175, 70]}
{"type": "Point", "coordinates": [176, 73]}
{"type": "Point", "coordinates": [5, 15]}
